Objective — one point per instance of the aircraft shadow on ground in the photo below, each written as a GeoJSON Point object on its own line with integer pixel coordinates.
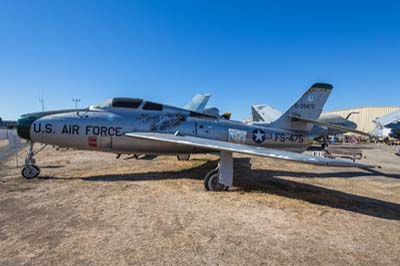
{"type": "Point", "coordinates": [52, 166]}
{"type": "Point", "coordinates": [268, 181]}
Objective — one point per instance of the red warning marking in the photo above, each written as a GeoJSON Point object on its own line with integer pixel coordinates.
{"type": "Point", "coordinates": [92, 141]}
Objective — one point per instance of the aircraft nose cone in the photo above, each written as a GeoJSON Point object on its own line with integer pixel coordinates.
{"type": "Point", "coordinates": [24, 124]}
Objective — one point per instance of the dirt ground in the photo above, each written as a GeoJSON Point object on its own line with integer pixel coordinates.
{"type": "Point", "coordinates": [3, 143]}
{"type": "Point", "coordinates": [89, 208]}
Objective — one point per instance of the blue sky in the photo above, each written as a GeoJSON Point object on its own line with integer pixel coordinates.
{"type": "Point", "coordinates": [243, 52]}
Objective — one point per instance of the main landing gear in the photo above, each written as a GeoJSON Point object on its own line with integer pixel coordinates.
{"type": "Point", "coordinates": [220, 178]}
{"type": "Point", "coordinates": [30, 170]}
{"type": "Point", "coordinates": [211, 181]}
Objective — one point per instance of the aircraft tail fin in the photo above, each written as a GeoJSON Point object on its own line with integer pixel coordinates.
{"type": "Point", "coordinates": [309, 107]}
{"type": "Point", "coordinates": [198, 103]}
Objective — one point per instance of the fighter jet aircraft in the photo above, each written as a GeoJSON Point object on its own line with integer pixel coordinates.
{"type": "Point", "coordinates": [126, 125]}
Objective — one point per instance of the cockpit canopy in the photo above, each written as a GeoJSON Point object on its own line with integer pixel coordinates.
{"type": "Point", "coordinates": [131, 103]}
{"type": "Point", "coordinates": [126, 103]}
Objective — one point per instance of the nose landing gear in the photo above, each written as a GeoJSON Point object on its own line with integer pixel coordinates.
{"type": "Point", "coordinates": [30, 170]}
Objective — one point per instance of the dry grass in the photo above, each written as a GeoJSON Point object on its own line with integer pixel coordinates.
{"type": "Point", "coordinates": [3, 143]}
{"type": "Point", "coordinates": [89, 208]}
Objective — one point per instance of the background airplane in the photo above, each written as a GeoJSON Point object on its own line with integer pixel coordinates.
{"type": "Point", "coordinates": [198, 102]}
{"type": "Point", "coordinates": [391, 122]}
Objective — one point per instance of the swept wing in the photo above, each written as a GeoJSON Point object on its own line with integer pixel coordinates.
{"type": "Point", "coordinates": [218, 145]}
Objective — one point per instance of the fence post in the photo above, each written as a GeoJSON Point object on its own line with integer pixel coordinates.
{"type": "Point", "coordinates": [16, 150]}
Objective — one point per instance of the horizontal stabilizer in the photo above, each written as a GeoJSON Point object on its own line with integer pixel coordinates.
{"type": "Point", "coordinates": [328, 125]}
{"type": "Point", "coordinates": [218, 145]}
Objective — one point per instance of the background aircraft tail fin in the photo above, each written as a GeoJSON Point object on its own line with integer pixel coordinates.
{"type": "Point", "coordinates": [198, 103]}
{"type": "Point", "coordinates": [309, 106]}
{"type": "Point", "coordinates": [264, 113]}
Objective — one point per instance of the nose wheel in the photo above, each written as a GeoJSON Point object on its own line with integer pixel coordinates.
{"type": "Point", "coordinates": [30, 170]}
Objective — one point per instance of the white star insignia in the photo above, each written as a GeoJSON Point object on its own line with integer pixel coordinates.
{"type": "Point", "coordinates": [259, 136]}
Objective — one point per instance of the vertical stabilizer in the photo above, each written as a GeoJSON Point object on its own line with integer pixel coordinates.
{"type": "Point", "coordinates": [198, 103]}
{"type": "Point", "coordinates": [309, 106]}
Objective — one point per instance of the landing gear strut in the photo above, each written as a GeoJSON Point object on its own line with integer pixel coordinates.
{"type": "Point", "coordinates": [183, 157]}
{"type": "Point", "coordinates": [220, 178]}
{"type": "Point", "coordinates": [324, 143]}
{"type": "Point", "coordinates": [30, 170]}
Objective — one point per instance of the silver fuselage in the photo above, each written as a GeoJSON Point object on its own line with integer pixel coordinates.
{"type": "Point", "coordinates": [105, 129]}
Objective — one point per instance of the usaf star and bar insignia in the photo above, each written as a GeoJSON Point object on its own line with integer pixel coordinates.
{"type": "Point", "coordinates": [259, 136]}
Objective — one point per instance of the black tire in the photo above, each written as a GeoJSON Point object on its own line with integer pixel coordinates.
{"type": "Point", "coordinates": [214, 185]}
{"type": "Point", "coordinates": [27, 173]}
{"type": "Point", "coordinates": [206, 179]}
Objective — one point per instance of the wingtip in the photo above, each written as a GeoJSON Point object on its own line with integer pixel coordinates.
{"type": "Point", "coordinates": [322, 85]}
{"type": "Point", "coordinates": [204, 94]}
